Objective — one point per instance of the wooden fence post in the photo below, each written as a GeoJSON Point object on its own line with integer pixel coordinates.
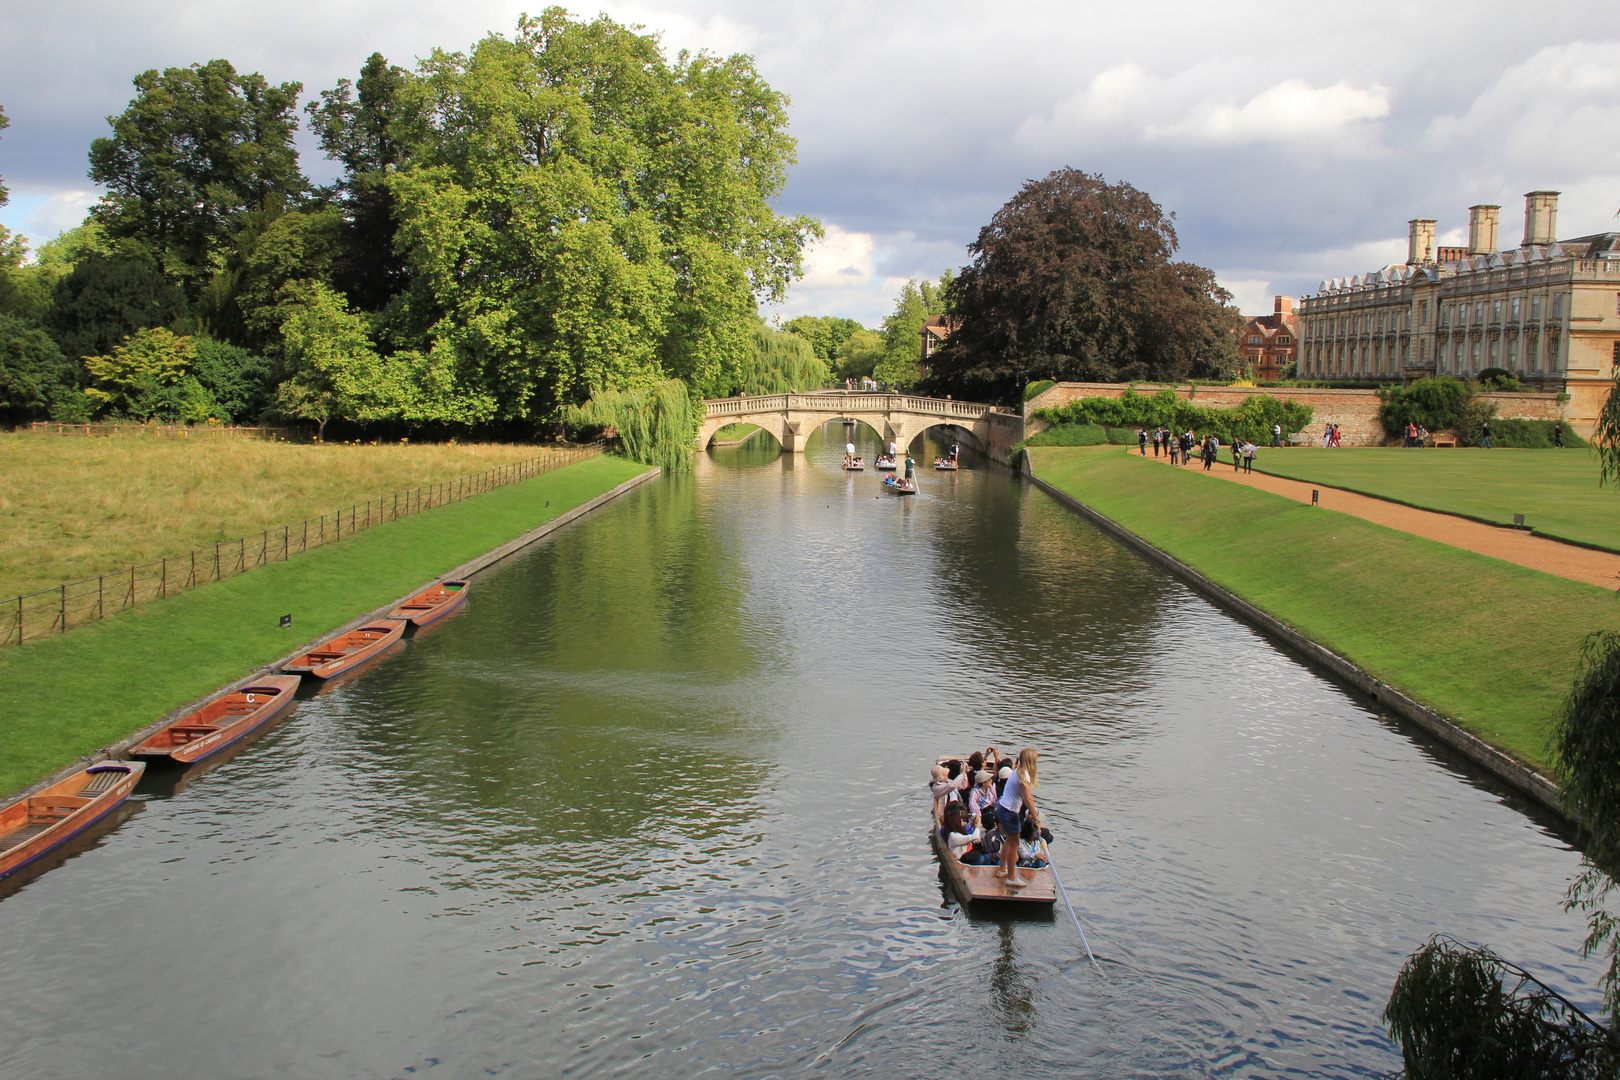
{"type": "Point", "coordinates": [101, 600]}
{"type": "Point", "coordinates": [64, 607]}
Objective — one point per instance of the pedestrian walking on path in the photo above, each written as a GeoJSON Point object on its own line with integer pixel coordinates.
{"type": "Point", "coordinates": [1141, 442]}
{"type": "Point", "coordinates": [1248, 457]}
{"type": "Point", "coordinates": [1237, 454]}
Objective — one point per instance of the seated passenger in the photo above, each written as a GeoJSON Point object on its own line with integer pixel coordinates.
{"type": "Point", "coordinates": [1029, 847]}
{"type": "Point", "coordinates": [982, 797]}
{"type": "Point", "coordinates": [945, 790]}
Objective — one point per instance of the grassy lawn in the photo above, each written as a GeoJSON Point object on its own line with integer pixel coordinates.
{"type": "Point", "coordinates": [1556, 490]}
{"type": "Point", "coordinates": [72, 508]}
{"type": "Point", "coordinates": [1487, 643]}
{"type": "Point", "coordinates": [63, 697]}
{"type": "Point", "coordinates": [735, 432]}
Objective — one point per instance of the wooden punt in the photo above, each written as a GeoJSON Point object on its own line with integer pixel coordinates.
{"type": "Point", "coordinates": [33, 825]}
{"type": "Point", "coordinates": [886, 464]}
{"type": "Point", "coordinates": [945, 465]}
{"type": "Point", "coordinates": [220, 723]}
{"type": "Point", "coordinates": [900, 487]}
{"type": "Point", "coordinates": [855, 466]}
{"type": "Point", "coordinates": [432, 604]}
{"type": "Point", "coordinates": [979, 883]}
{"type": "Point", "coordinates": [347, 651]}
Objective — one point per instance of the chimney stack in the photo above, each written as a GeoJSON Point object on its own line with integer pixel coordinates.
{"type": "Point", "coordinates": [1283, 306]}
{"type": "Point", "coordinates": [1540, 217]}
{"type": "Point", "coordinates": [1420, 242]}
{"type": "Point", "coordinates": [1482, 229]}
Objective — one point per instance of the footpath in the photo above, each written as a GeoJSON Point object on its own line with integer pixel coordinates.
{"type": "Point", "coordinates": [1483, 649]}
{"type": "Point", "coordinates": [64, 697]}
{"type": "Point", "coordinates": [1600, 568]}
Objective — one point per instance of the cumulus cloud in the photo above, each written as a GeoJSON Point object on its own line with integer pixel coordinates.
{"type": "Point", "coordinates": [1195, 107]}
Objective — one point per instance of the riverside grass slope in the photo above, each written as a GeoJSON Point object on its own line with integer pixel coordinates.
{"type": "Point", "coordinates": [64, 697]}
{"type": "Point", "coordinates": [1557, 491]}
{"type": "Point", "coordinates": [1489, 644]}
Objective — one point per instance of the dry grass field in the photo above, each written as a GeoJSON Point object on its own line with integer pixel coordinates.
{"type": "Point", "coordinates": [75, 507]}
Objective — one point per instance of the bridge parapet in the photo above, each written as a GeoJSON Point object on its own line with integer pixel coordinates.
{"type": "Point", "coordinates": [895, 417]}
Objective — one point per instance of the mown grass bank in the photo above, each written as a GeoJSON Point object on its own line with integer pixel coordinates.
{"type": "Point", "coordinates": [1487, 643]}
{"type": "Point", "coordinates": [72, 508]}
{"type": "Point", "coordinates": [1557, 491]}
{"type": "Point", "coordinates": [64, 697]}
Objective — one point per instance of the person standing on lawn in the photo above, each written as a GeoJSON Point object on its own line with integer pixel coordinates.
{"type": "Point", "coordinates": [1485, 435]}
{"type": "Point", "coordinates": [1141, 442]}
{"type": "Point", "coordinates": [1558, 436]}
{"type": "Point", "coordinates": [1276, 435]}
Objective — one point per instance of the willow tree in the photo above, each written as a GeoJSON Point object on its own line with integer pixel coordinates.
{"type": "Point", "coordinates": [579, 214]}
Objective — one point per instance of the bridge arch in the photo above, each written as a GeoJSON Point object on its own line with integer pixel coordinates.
{"type": "Point", "coordinates": [900, 417]}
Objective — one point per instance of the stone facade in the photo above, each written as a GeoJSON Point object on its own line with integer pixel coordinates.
{"type": "Point", "coordinates": [1355, 411]}
{"type": "Point", "coordinates": [1548, 311]}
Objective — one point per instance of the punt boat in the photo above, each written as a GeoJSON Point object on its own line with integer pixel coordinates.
{"type": "Point", "coordinates": [432, 604]}
{"type": "Point", "coordinates": [945, 464]}
{"type": "Point", "coordinates": [857, 465]}
{"type": "Point", "coordinates": [33, 825]}
{"type": "Point", "coordinates": [900, 487]}
{"type": "Point", "coordinates": [347, 651]}
{"type": "Point", "coordinates": [220, 723]}
{"type": "Point", "coordinates": [885, 463]}
{"type": "Point", "coordinates": [979, 883]}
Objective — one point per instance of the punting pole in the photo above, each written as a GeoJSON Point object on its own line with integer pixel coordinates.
{"type": "Point", "coordinates": [1051, 865]}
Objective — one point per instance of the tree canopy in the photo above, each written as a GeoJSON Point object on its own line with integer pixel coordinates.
{"type": "Point", "coordinates": [1074, 278]}
{"type": "Point", "coordinates": [196, 149]}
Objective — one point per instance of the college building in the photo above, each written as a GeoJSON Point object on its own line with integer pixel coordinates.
{"type": "Point", "coordinates": [1270, 343]}
{"type": "Point", "coordinates": [1548, 311]}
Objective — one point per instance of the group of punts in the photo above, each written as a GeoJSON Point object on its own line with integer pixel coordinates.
{"type": "Point", "coordinates": [979, 883]}
{"type": "Point", "coordinates": [35, 824]}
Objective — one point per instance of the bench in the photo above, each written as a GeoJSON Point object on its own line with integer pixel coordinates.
{"type": "Point", "coordinates": [1443, 440]}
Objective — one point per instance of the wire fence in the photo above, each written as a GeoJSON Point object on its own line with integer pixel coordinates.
{"type": "Point", "coordinates": [160, 431]}
{"type": "Point", "coordinates": [74, 603]}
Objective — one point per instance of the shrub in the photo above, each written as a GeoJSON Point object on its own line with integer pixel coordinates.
{"type": "Point", "coordinates": [1531, 434]}
{"type": "Point", "coordinates": [1495, 378]}
{"type": "Point", "coordinates": [1252, 420]}
{"type": "Point", "coordinates": [1122, 436]}
{"type": "Point", "coordinates": [1070, 435]}
{"type": "Point", "coordinates": [1036, 388]}
{"type": "Point", "coordinates": [1435, 404]}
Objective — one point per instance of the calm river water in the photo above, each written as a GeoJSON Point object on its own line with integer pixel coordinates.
{"type": "Point", "coordinates": [652, 806]}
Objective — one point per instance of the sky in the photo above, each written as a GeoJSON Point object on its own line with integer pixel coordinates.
{"type": "Point", "coordinates": [1292, 141]}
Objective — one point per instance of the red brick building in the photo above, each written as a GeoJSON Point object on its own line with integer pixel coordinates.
{"type": "Point", "coordinates": [1269, 343]}
{"type": "Point", "coordinates": [935, 329]}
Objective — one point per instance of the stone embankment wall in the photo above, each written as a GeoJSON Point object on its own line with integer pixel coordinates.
{"type": "Point", "coordinates": [1355, 411]}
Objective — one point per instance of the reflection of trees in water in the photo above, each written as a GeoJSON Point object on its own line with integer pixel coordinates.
{"type": "Point", "coordinates": [580, 706]}
{"type": "Point", "coordinates": [1011, 992]}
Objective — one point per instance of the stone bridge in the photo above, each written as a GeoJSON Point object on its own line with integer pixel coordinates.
{"type": "Point", "coordinates": [897, 417]}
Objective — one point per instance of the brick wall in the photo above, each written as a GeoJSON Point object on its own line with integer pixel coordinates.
{"type": "Point", "coordinates": [1355, 411]}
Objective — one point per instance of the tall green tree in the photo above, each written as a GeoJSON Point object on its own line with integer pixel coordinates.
{"type": "Point", "coordinates": [1075, 278]}
{"type": "Point", "coordinates": [580, 214]}
{"type": "Point", "coordinates": [776, 363]}
{"type": "Point", "coordinates": [859, 356]}
{"type": "Point", "coordinates": [106, 299]}
{"type": "Point", "coordinates": [33, 373]}
{"type": "Point", "coordinates": [197, 148]}
{"type": "Point", "coordinates": [825, 333]}
{"type": "Point", "coordinates": [5, 122]}
{"type": "Point", "coordinates": [366, 126]}
{"type": "Point", "coordinates": [902, 330]}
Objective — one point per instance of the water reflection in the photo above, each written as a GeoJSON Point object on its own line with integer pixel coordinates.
{"type": "Point", "coordinates": [652, 805]}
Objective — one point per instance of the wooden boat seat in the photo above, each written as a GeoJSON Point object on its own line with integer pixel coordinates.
{"type": "Point", "coordinates": [187, 732]}
{"type": "Point", "coordinates": [325, 654]}
{"type": "Point", "coordinates": [52, 808]}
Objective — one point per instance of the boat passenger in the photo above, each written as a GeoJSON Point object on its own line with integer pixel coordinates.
{"type": "Point", "coordinates": [945, 790]}
{"type": "Point", "coordinates": [1018, 793]}
{"type": "Point", "coordinates": [982, 798]}
{"type": "Point", "coordinates": [1029, 847]}
{"type": "Point", "coordinates": [958, 836]}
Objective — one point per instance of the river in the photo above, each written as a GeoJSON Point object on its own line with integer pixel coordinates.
{"type": "Point", "coordinates": [653, 806]}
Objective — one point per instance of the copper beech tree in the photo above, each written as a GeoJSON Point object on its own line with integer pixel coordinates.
{"type": "Point", "coordinates": [1075, 278]}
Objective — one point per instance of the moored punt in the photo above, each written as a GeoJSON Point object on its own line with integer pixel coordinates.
{"type": "Point", "coordinates": [220, 723]}
{"type": "Point", "coordinates": [33, 825]}
{"type": "Point", "coordinates": [432, 604]}
{"type": "Point", "coordinates": [347, 651]}
{"type": "Point", "coordinates": [979, 883]}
